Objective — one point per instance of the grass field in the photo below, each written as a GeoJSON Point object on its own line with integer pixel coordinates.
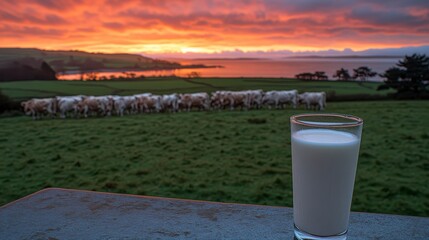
{"type": "Point", "coordinates": [219, 156]}
{"type": "Point", "coordinates": [28, 89]}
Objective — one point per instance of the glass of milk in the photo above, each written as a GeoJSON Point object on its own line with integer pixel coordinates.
{"type": "Point", "coordinates": [325, 150]}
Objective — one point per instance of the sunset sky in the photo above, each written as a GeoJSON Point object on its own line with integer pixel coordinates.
{"type": "Point", "coordinates": [175, 27]}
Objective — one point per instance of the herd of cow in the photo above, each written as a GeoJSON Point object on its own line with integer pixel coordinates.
{"type": "Point", "coordinates": [78, 106]}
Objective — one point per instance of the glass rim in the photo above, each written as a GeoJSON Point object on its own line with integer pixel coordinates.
{"type": "Point", "coordinates": [356, 121]}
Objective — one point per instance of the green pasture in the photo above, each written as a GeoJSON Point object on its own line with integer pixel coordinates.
{"type": "Point", "coordinates": [29, 89]}
{"type": "Point", "coordinates": [240, 156]}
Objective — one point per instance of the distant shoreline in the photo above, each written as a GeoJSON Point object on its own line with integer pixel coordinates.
{"type": "Point", "coordinates": [196, 66]}
{"type": "Point", "coordinates": [349, 56]}
{"type": "Point", "coordinates": [287, 57]}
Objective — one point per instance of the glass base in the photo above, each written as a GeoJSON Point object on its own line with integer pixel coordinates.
{"type": "Point", "coordinates": [301, 235]}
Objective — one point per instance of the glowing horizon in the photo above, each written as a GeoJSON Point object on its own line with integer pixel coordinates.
{"type": "Point", "coordinates": [181, 27]}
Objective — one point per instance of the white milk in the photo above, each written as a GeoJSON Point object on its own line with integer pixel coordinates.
{"type": "Point", "coordinates": [324, 168]}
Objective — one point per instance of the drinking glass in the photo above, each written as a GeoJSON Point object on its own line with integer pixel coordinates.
{"type": "Point", "coordinates": [325, 150]}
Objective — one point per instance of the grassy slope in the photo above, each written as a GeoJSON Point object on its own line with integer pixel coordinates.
{"type": "Point", "coordinates": [110, 61]}
{"type": "Point", "coordinates": [21, 90]}
{"type": "Point", "coordinates": [216, 156]}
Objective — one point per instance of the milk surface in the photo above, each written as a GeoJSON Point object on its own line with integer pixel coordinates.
{"type": "Point", "coordinates": [324, 167]}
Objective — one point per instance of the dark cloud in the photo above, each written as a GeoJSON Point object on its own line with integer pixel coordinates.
{"type": "Point", "coordinates": [307, 6]}
{"type": "Point", "coordinates": [347, 30]}
{"type": "Point", "coordinates": [5, 16]}
{"type": "Point", "coordinates": [46, 20]}
{"type": "Point", "coordinates": [55, 4]}
{"type": "Point", "coordinates": [89, 15]}
{"type": "Point", "coordinates": [114, 25]}
{"type": "Point", "coordinates": [29, 31]}
{"type": "Point", "coordinates": [397, 4]}
{"type": "Point", "coordinates": [210, 24]}
{"type": "Point", "coordinates": [40, 31]}
{"type": "Point", "coordinates": [54, 19]}
{"type": "Point", "coordinates": [387, 18]}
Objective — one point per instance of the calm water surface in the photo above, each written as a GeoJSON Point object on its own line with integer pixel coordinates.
{"type": "Point", "coordinates": [264, 67]}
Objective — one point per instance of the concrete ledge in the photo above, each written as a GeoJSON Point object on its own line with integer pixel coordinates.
{"type": "Point", "coordinates": [73, 214]}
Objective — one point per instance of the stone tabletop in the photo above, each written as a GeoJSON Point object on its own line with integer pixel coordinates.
{"type": "Point", "coordinates": [74, 214]}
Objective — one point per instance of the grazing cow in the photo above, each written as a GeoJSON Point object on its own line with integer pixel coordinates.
{"type": "Point", "coordinates": [95, 105]}
{"type": "Point", "coordinates": [117, 104]}
{"type": "Point", "coordinates": [68, 104]}
{"type": "Point", "coordinates": [201, 101]}
{"type": "Point", "coordinates": [150, 103]}
{"type": "Point", "coordinates": [137, 107]}
{"type": "Point", "coordinates": [170, 102]}
{"type": "Point", "coordinates": [237, 99]}
{"type": "Point", "coordinates": [279, 99]}
{"type": "Point", "coordinates": [316, 99]}
{"type": "Point", "coordinates": [105, 105]}
{"type": "Point", "coordinates": [254, 98]}
{"type": "Point", "coordinates": [231, 99]}
{"type": "Point", "coordinates": [123, 104]}
{"type": "Point", "coordinates": [219, 100]}
{"type": "Point", "coordinates": [37, 107]}
{"type": "Point", "coordinates": [87, 105]}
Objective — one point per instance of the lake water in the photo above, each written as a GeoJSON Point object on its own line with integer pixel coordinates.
{"type": "Point", "coordinates": [287, 67]}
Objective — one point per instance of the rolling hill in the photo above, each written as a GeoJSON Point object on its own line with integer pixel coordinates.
{"type": "Point", "coordinates": [62, 61]}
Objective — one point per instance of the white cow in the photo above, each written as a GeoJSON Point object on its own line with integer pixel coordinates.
{"type": "Point", "coordinates": [137, 107]}
{"type": "Point", "coordinates": [150, 103]}
{"type": "Point", "coordinates": [68, 104]}
{"type": "Point", "coordinates": [279, 99]}
{"type": "Point", "coordinates": [37, 107]}
{"type": "Point", "coordinates": [170, 102]}
{"type": "Point", "coordinates": [233, 99]}
{"type": "Point", "coordinates": [95, 105]}
{"type": "Point", "coordinates": [316, 99]}
{"type": "Point", "coordinates": [254, 98]}
{"type": "Point", "coordinates": [191, 100]}
{"type": "Point", "coordinates": [237, 99]}
{"type": "Point", "coordinates": [105, 105]}
{"type": "Point", "coordinates": [117, 104]}
{"type": "Point", "coordinates": [219, 100]}
{"type": "Point", "coordinates": [121, 104]}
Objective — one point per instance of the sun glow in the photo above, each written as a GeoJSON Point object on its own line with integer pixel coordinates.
{"type": "Point", "coordinates": [193, 50]}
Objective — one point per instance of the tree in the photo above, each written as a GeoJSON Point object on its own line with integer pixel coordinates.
{"type": "Point", "coordinates": [91, 76]}
{"type": "Point", "coordinates": [363, 73]}
{"type": "Point", "coordinates": [392, 77]}
{"type": "Point", "coordinates": [320, 75]}
{"type": "Point", "coordinates": [194, 75]}
{"type": "Point", "coordinates": [305, 76]}
{"type": "Point", "coordinates": [342, 74]}
{"type": "Point", "coordinates": [410, 74]}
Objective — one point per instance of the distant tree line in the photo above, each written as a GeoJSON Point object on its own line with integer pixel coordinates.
{"type": "Point", "coordinates": [319, 75]}
{"type": "Point", "coordinates": [409, 77]}
{"type": "Point", "coordinates": [95, 76]}
{"type": "Point", "coordinates": [361, 73]}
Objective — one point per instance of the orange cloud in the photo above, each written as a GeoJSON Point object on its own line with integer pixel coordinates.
{"type": "Point", "coordinates": [160, 26]}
